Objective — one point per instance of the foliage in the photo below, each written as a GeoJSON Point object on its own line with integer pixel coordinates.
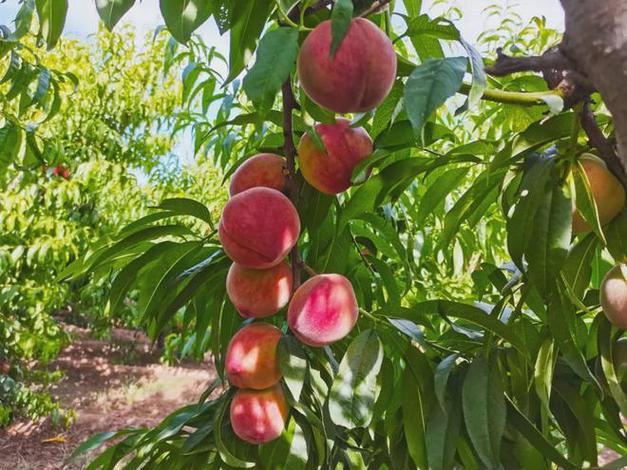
{"type": "Point", "coordinates": [480, 342]}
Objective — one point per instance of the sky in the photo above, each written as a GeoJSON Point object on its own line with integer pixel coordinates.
{"type": "Point", "coordinates": [82, 21]}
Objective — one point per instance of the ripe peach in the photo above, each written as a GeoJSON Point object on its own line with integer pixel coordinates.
{"type": "Point", "coordinates": [607, 192]}
{"type": "Point", "coordinates": [259, 227]}
{"type": "Point", "coordinates": [359, 75]}
{"type": "Point", "coordinates": [251, 357]}
{"type": "Point", "coordinates": [323, 310]}
{"type": "Point", "coordinates": [266, 169]}
{"type": "Point", "coordinates": [330, 170]}
{"type": "Point", "coordinates": [613, 294]}
{"type": "Point", "coordinates": [259, 293]}
{"type": "Point", "coordinates": [259, 416]}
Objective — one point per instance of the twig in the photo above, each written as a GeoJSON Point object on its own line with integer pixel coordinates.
{"type": "Point", "coordinates": [308, 269]}
{"type": "Point", "coordinates": [361, 255]}
{"type": "Point", "coordinates": [601, 143]}
{"type": "Point", "coordinates": [376, 7]}
{"type": "Point", "coordinates": [513, 97]}
{"type": "Point", "coordinates": [289, 150]}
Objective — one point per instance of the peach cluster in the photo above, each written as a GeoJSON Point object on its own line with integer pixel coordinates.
{"type": "Point", "coordinates": [258, 229]}
{"type": "Point", "coordinates": [260, 226]}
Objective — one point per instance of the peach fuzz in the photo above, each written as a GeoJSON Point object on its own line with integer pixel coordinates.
{"type": "Point", "coordinates": [360, 74]}
{"type": "Point", "coordinates": [251, 357]}
{"type": "Point", "coordinates": [259, 416]}
{"type": "Point", "coordinates": [259, 293]}
{"type": "Point", "coordinates": [607, 192]}
{"type": "Point", "coordinates": [330, 169]}
{"type": "Point", "coordinates": [258, 228]}
{"type": "Point", "coordinates": [323, 310]}
{"type": "Point", "coordinates": [613, 295]}
{"type": "Point", "coordinates": [266, 169]}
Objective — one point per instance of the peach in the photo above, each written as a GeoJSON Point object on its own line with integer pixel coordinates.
{"type": "Point", "coordinates": [251, 357]}
{"type": "Point", "coordinates": [259, 227]}
{"type": "Point", "coordinates": [608, 193]}
{"type": "Point", "coordinates": [323, 310]}
{"type": "Point", "coordinates": [329, 170]}
{"type": "Point", "coordinates": [613, 294]}
{"type": "Point", "coordinates": [259, 416]}
{"type": "Point", "coordinates": [259, 293]}
{"type": "Point", "coordinates": [266, 169]}
{"type": "Point", "coordinates": [360, 74]}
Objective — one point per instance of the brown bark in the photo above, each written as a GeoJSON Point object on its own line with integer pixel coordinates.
{"type": "Point", "coordinates": [596, 42]}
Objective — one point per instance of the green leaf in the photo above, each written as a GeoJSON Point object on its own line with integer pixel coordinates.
{"type": "Point", "coordinates": [51, 15]}
{"type": "Point", "coordinates": [293, 365]}
{"type": "Point", "coordinates": [474, 315]}
{"type": "Point", "coordinates": [543, 371]}
{"type": "Point", "coordinates": [183, 17]}
{"type": "Point", "coordinates": [479, 79]}
{"type": "Point", "coordinates": [430, 85]}
{"type": "Point", "coordinates": [443, 430]}
{"type": "Point", "coordinates": [341, 18]}
{"type": "Point", "coordinates": [484, 409]}
{"type": "Point", "coordinates": [249, 19]}
{"type": "Point", "coordinates": [550, 239]}
{"type": "Point", "coordinates": [275, 58]}
{"type": "Point", "coordinates": [186, 206]}
{"type": "Point", "coordinates": [606, 342]}
{"type": "Point", "coordinates": [578, 265]}
{"type": "Point", "coordinates": [24, 18]}
{"type": "Point", "coordinates": [437, 192]}
{"type": "Point", "coordinates": [562, 320]}
{"type": "Point", "coordinates": [111, 11]}
{"type": "Point", "coordinates": [535, 437]}
{"type": "Point", "coordinates": [586, 206]}
{"type": "Point", "coordinates": [615, 233]}
{"type": "Point", "coordinates": [355, 389]}
{"type": "Point", "coordinates": [440, 378]}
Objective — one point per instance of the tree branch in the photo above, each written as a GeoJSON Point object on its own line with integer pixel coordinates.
{"type": "Point", "coordinates": [551, 60]}
{"type": "Point", "coordinates": [376, 7]}
{"type": "Point", "coordinates": [289, 150]}
{"type": "Point", "coordinates": [601, 143]}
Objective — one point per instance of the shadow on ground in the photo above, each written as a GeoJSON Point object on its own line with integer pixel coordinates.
{"type": "Point", "coordinates": [110, 385]}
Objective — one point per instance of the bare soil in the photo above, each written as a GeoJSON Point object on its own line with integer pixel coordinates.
{"type": "Point", "coordinates": [110, 385]}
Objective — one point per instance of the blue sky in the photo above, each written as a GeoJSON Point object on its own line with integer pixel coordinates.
{"type": "Point", "coordinates": [83, 20]}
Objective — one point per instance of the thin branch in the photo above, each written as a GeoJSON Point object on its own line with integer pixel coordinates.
{"type": "Point", "coordinates": [376, 7]}
{"type": "Point", "coordinates": [289, 150]}
{"type": "Point", "coordinates": [513, 97]}
{"type": "Point", "coordinates": [601, 143]}
{"type": "Point", "coordinates": [553, 59]}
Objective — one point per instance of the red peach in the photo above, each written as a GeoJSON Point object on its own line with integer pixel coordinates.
{"type": "Point", "coordinates": [360, 74]}
{"type": "Point", "coordinates": [330, 170]}
{"type": "Point", "coordinates": [607, 192]}
{"type": "Point", "coordinates": [259, 227]}
{"type": "Point", "coordinates": [259, 416]}
{"type": "Point", "coordinates": [265, 169]}
{"type": "Point", "coordinates": [259, 293]}
{"type": "Point", "coordinates": [323, 310]}
{"type": "Point", "coordinates": [613, 294]}
{"type": "Point", "coordinates": [251, 357]}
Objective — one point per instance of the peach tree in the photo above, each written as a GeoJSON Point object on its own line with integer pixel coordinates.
{"type": "Point", "coordinates": [410, 270]}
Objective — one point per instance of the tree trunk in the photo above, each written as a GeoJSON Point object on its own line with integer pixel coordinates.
{"type": "Point", "coordinates": [596, 41]}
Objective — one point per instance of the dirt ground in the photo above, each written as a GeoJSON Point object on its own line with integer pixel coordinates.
{"type": "Point", "coordinates": [110, 385]}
